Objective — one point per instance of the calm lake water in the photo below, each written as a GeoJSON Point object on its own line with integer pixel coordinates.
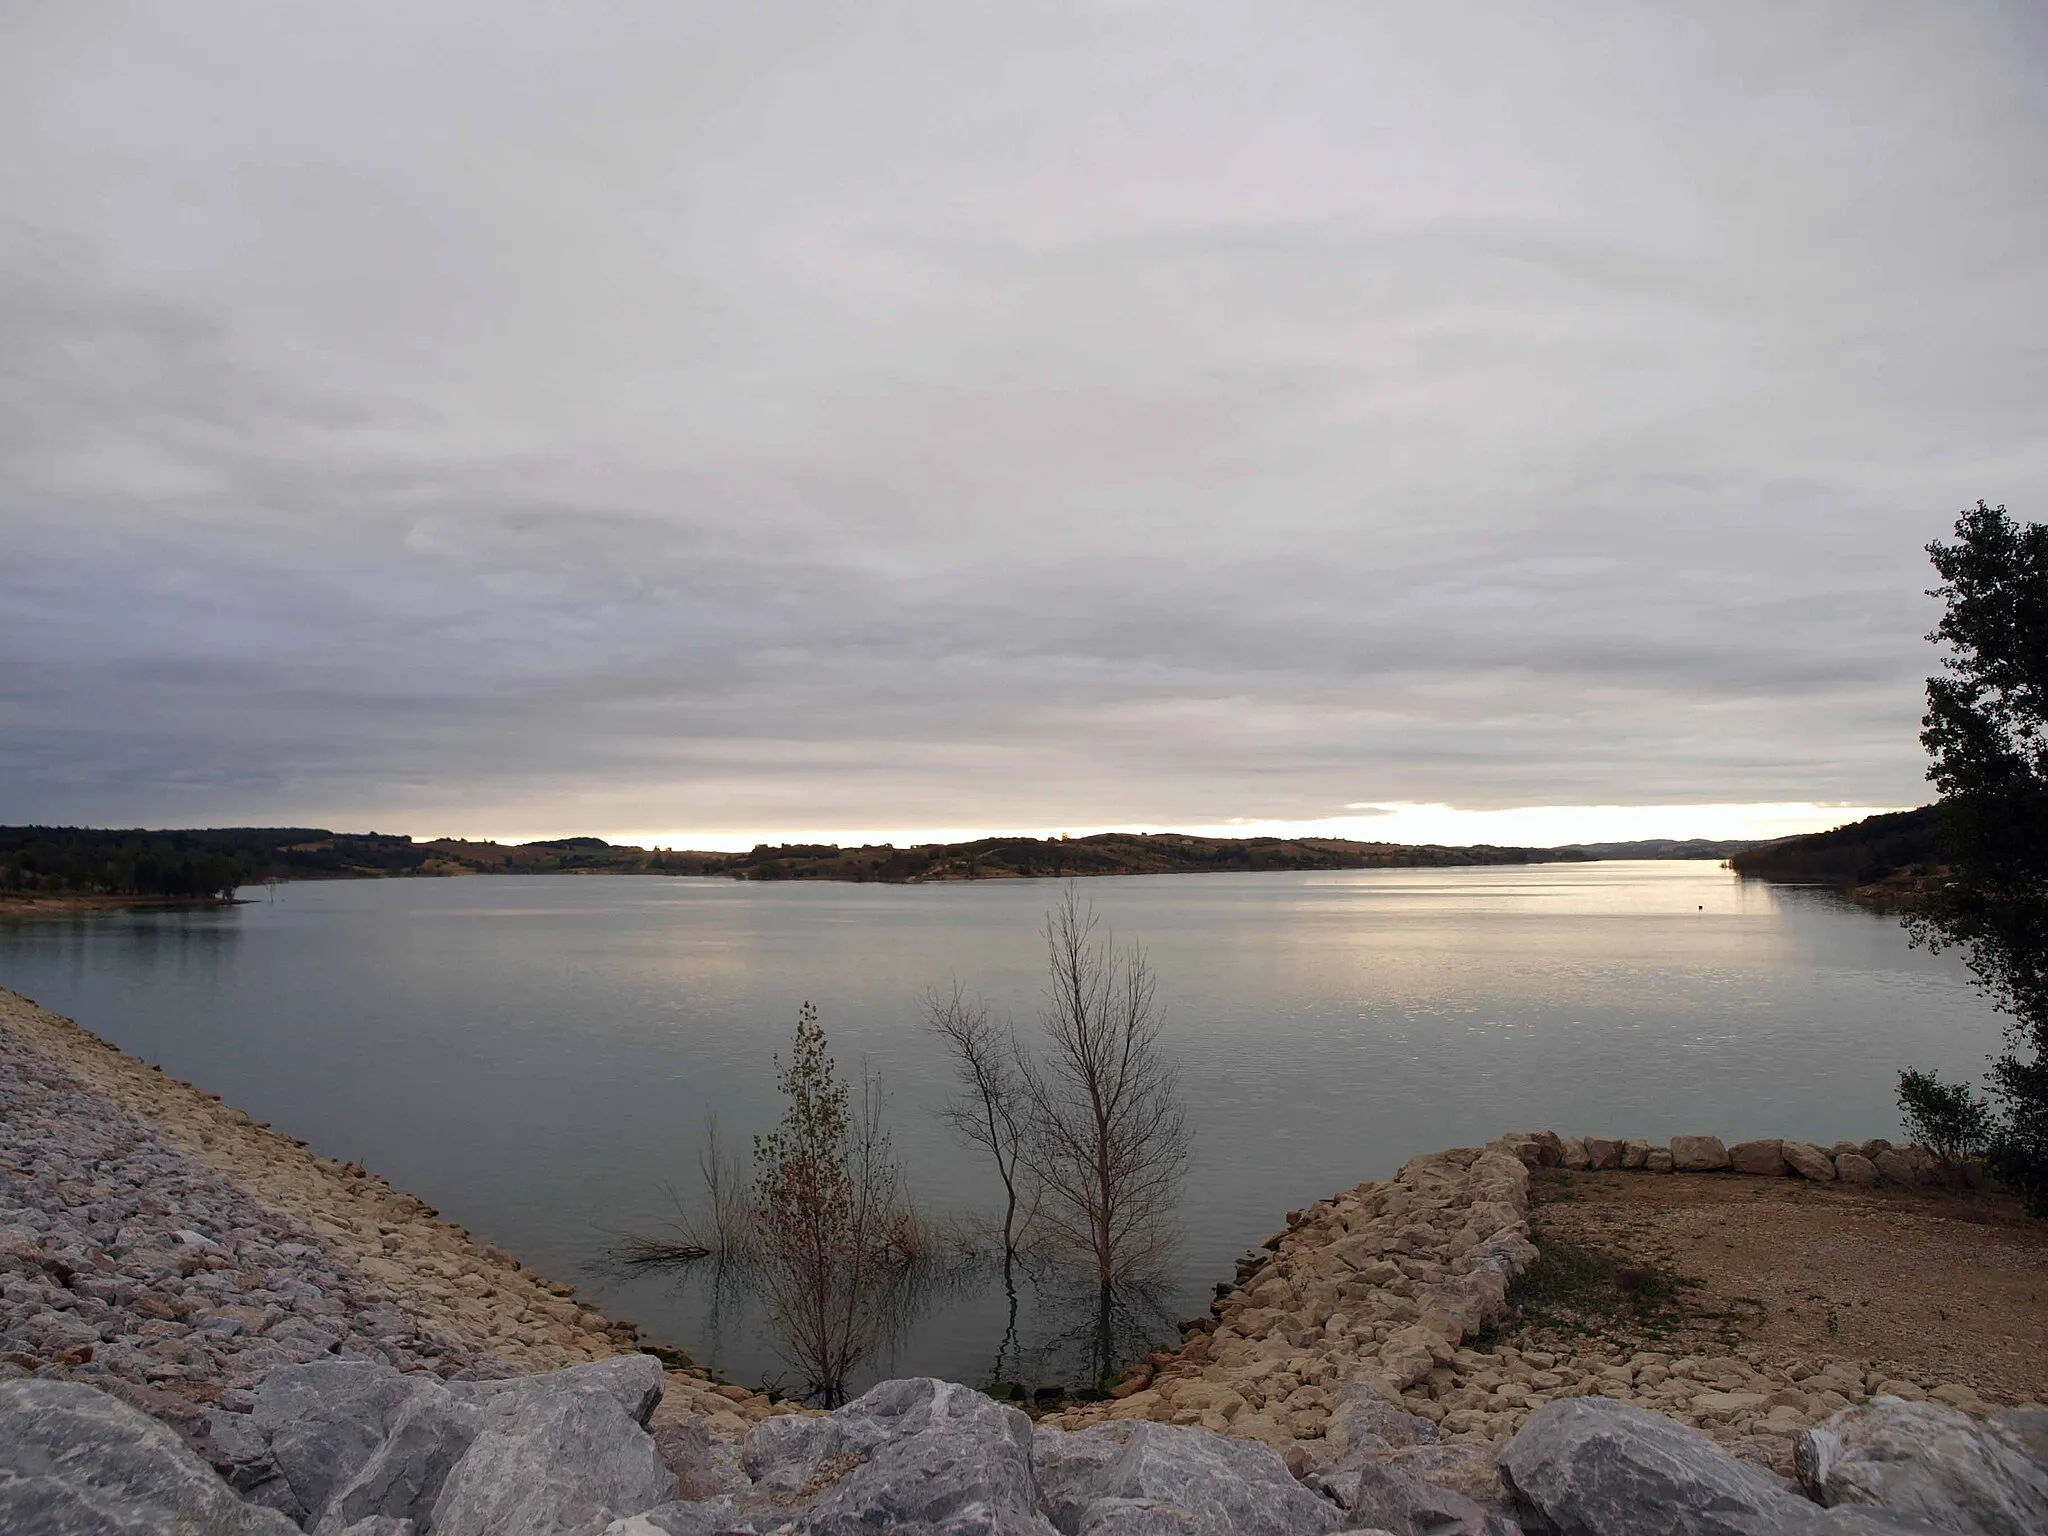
{"type": "Point", "coordinates": [538, 1056]}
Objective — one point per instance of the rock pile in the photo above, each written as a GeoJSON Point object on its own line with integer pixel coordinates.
{"type": "Point", "coordinates": [1383, 1287]}
{"type": "Point", "coordinates": [1862, 1163]}
{"type": "Point", "coordinates": [1377, 1287]}
{"type": "Point", "coordinates": [78, 1116]}
{"type": "Point", "coordinates": [127, 1264]}
{"type": "Point", "coordinates": [353, 1448]}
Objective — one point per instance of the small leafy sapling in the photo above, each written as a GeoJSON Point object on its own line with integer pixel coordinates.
{"type": "Point", "coordinates": [1946, 1118]}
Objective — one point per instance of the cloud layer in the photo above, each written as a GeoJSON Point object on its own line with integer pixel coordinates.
{"type": "Point", "coordinates": [532, 419]}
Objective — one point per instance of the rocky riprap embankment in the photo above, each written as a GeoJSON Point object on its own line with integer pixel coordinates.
{"type": "Point", "coordinates": [96, 1142]}
{"type": "Point", "coordinates": [353, 1448]}
{"type": "Point", "coordinates": [125, 1263]}
{"type": "Point", "coordinates": [1387, 1285]}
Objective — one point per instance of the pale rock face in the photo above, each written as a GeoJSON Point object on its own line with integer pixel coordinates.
{"type": "Point", "coordinates": [324, 1420]}
{"type": "Point", "coordinates": [1635, 1154]}
{"type": "Point", "coordinates": [1758, 1158]}
{"type": "Point", "coordinates": [932, 1456]}
{"type": "Point", "coordinates": [1698, 1154]}
{"type": "Point", "coordinates": [1142, 1478]}
{"type": "Point", "coordinates": [1855, 1168]}
{"type": "Point", "coordinates": [548, 1461]}
{"type": "Point", "coordinates": [1602, 1468]}
{"type": "Point", "coordinates": [1384, 1498]}
{"type": "Point", "coordinates": [73, 1459]}
{"type": "Point", "coordinates": [1575, 1156]}
{"type": "Point", "coordinates": [1660, 1160]}
{"type": "Point", "coordinates": [1603, 1152]}
{"type": "Point", "coordinates": [1934, 1463]}
{"type": "Point", "coordinates": [1808, 1161]}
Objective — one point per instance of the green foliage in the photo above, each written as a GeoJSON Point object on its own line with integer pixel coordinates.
{"type": "Point", "coordinates": [1986, 734]}
{"type": "Point", "coordinates": [835, 1245]}
{"type": "Point", "coordinates": [803, 1179]}
{"type": "Point", "coordinates": [1582, 1288]}
{"type": "Point", "coordinates": [66, 861]}
{"type": "Point", "coordinates": [1946, 1118]}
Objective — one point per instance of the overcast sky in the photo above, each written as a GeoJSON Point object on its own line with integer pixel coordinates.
{"type": "Point", "coordinates": [719, 421]}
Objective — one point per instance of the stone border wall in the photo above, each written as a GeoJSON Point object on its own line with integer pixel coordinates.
{"type": "Point", "coordinates": [1381, 1290]}
{"type": "Point", "coordinates": [1862, 1164]}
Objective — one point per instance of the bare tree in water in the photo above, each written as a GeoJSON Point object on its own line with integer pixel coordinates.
{"type": "Point", "coordinates": [990, 1110]}
{"type": "Point", "coordinates": [833, 1236]}
{"type": "Point", "coordinates": [1107, 1136]}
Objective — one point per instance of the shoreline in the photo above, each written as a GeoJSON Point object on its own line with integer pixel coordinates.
{"type": "Point", "coordinates": [432, 1270]}
{"type": "Point", "coordinates": [1423, 1291]}
{"type": "Point", "coordinates": [26, 904]}
{"type": "Point", "coordinates": [1407, 1289]}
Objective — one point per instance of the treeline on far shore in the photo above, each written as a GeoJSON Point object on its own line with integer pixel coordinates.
{"type": "Point", "coordinates": [208, 863]}
{"type": "Point", "coordinates": [74, 861]}
{"type": "Point", "coordinates": [1884, 859]}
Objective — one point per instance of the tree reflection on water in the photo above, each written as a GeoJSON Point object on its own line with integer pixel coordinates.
{"type": "Point", "coordinates": [1060, 1335]}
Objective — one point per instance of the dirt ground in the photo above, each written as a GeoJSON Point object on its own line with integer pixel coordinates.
{"type": "Point", "coordinates": [1945, 1287]}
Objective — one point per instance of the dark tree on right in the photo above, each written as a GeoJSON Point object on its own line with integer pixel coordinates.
{"type": "Point", "coordinates": [1986, 734]}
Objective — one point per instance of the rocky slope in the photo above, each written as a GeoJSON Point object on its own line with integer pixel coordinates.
{"type": "Point", "coordinates": [356, 1448]}
{"type": "Point", "coordinates": [1389, 1286]}
{"type": "Point", "coordinates": [164, 1245]}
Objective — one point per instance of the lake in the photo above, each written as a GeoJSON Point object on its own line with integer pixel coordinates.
{"type": "Point", "coordinates": [538, 1056]}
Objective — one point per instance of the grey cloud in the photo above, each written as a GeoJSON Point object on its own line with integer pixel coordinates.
{"type": "Point", "coordinates": [942, 417]}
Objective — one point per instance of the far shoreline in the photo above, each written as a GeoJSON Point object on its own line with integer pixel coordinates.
{"type": "Point", "coordinates": [69, 903]}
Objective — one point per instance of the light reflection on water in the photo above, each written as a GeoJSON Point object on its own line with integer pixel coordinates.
{"type": "Point", "coordinates": [536, 1056]}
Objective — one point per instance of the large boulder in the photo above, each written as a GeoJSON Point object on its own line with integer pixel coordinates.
{"type": "Point", "coordinates": [1908, 1165]}
{"type": "Point", "coordinates": [1381, 1497]}
{"type": "Point", "coordinates": [75, 1461]}
{"type": "Point", "coordinates": [1590, 1466]}
{"type": "Point", "coordinates": [705, 1466]}
{"type": "Point", "coordinates": [1137, 1478]}
{"type": "Point", "coordinates": [705, 1517]}
{"type": "Point", "coordinates": [555, 1457]}
{"type": "Point", "coordinates": [1363, 1422]}
{"type": "Point", "coordinates": [1855, 1168]}
{"type": "Point", "coordinates": [429, 1434]}
{"type": "Point", "coordinates": [1765, 1158]}
{"type": "Point", "coordinates": [319, 1423]}
{"type": "Point", "coordinates": [1809, 1161]}
{"type": "Point", "coordinates": [1930, 1462]}
{"type": "Point", "coordinates": [633, 1380]}
{"type": "Point", "coordinates": [336, 1443]}
{"type": "Point", "coordinates": [914, 1454]}
{"type": "Point", "coordinates": [1698, 1154]}
{"type": "Point", "coordinates": [1604, 1151]}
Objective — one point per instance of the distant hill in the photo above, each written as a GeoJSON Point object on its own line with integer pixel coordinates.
{"type": "Point", "coordinates": [200, 864]}
{"type": "Point", "coordinates": [1895, 851]}
{"type": "Point", "coordinates": [1107, 853]}
{"type": "Point", "coordinates": [83, 861]}
{"type": "Point", "coordinates": [1666, 848]}
{"type": "Point", "coordinates": [203, 864]}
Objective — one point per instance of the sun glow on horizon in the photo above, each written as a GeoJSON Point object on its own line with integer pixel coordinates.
{"type": "Point", "coordinates": [1539, 826]}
